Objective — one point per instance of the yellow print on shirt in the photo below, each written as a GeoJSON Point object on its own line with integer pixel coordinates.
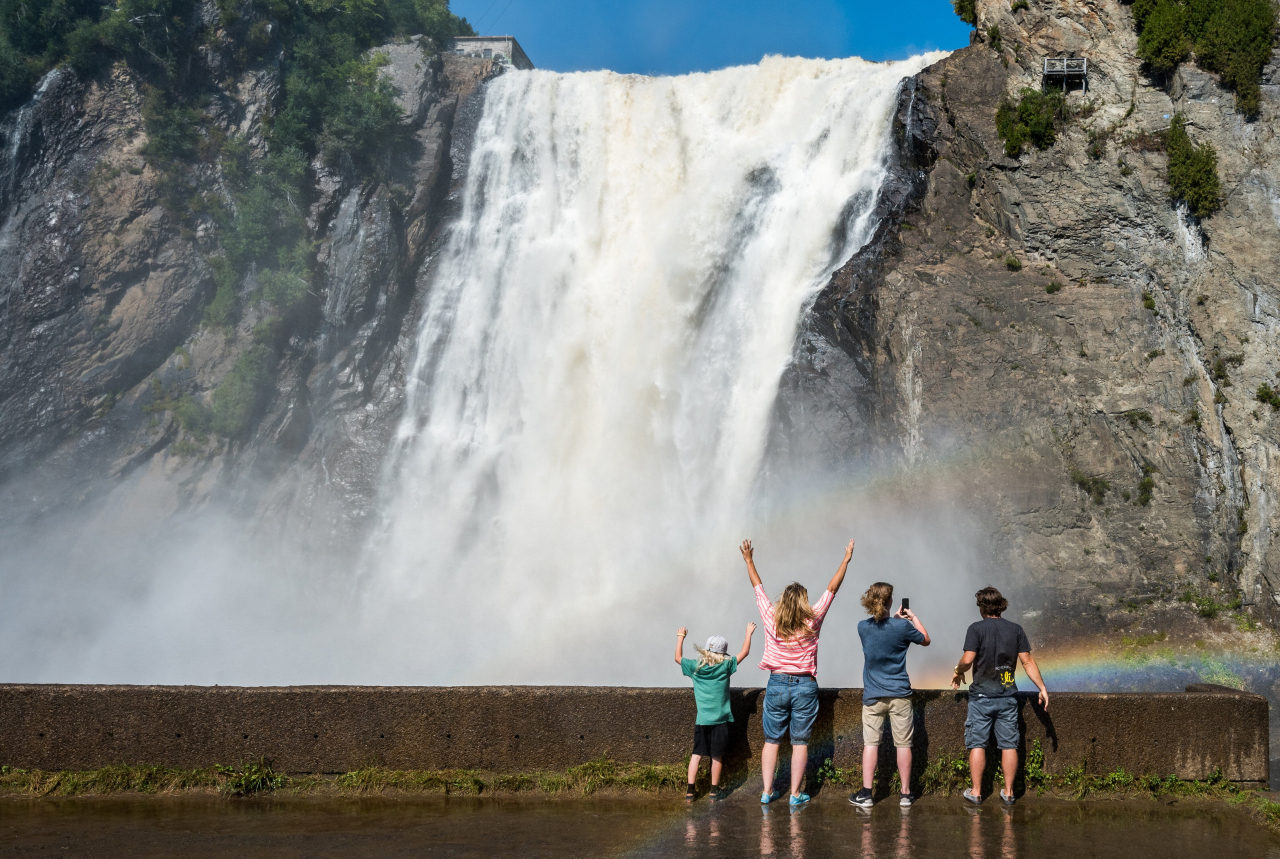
{"type": "Point", "coordinates": [1006, 678]}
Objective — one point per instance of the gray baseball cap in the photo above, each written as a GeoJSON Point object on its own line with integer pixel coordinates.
{"type": "Point", "coordinates": [717, 644]}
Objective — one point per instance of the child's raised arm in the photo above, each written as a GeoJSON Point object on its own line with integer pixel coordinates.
{"type": "Point", "coordinates": [838, 578]}
{"type": "Point", "coordinates": [747, 551]}
{"type": "Point", "coordinates": [746, 643]}
{"type": "Point", "coordinates": [680, 634]}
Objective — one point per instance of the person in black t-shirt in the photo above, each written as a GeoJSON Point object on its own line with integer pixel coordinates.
{"type": "Point", "coordinates": [993, 647]}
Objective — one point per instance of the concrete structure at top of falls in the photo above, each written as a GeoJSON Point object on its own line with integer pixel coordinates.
{"type": "Point", "coordinates": [592, 330]}
{"type": "Point", "coordinates": [500, 48]}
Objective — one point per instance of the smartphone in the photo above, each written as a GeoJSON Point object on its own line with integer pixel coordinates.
{"type": "Point", "coordinates": [906, 603]}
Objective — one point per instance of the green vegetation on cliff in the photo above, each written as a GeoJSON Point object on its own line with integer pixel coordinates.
{"type": "Point", "coordinates": [1230, 37]}
{"type": "Point", "coordinates": [1031, 119]}
{"type": "Point", "coordinates": [331, 102]}
{"type": "Point", "coordinates": [157, 37]}
{"type": "Point", "coordinates": [1193, 171]}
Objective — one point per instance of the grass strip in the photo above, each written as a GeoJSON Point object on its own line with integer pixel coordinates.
{"type": "Point", "coordinates": [946, 774]}
{"type": "Point", "coordinates": [258, 777]}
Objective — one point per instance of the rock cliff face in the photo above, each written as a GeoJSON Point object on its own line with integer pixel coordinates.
{"type": "Point", "coordinates": [103, 295]}
{"type": "Point", "coordinates": [1127, 346]}
{"type": "Point", "coordinates": [1107, 430]}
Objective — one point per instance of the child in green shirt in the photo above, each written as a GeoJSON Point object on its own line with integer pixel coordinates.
{"type": "Point", "coordinates": [710, 674]}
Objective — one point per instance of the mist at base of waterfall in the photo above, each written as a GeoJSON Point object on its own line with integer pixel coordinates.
{"type": "Point", "coordinates": [113, 595]}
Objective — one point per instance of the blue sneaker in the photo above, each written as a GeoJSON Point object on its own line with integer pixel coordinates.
{"type": "Point", "coordinates": [800, 800]}
{"type": "Point", "coordinates": [766, 798]}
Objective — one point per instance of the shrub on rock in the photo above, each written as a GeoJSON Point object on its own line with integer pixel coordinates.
{"type": "Point", "coordinates": [1031, 119]}
{"type": "Point", "coordinates": [1193, 171]}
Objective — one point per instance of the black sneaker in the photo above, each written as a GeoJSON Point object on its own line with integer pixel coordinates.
{"type": "Point", "coordinates": [905, 800]}
{"type": "Point", "coordinates": [862, 798]}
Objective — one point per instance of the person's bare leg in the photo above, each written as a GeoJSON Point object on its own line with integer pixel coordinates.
{"type": "Point", "coordinates": [768, 765]}
{"type": "Point", "coordinates": [694, 761]}
{"type": "Point", "coordinates": [870, 754]}
{"type": "Point", "coordinates": [977, 763]}
{"type": "Point", "coordinates": [799, 760]}
{"type": "Point", "coordinates": [904, 770]}
{"type": "Point", "coordinates": [1009, 763]}
{"type": "Point", "coordinates": [716, 766]}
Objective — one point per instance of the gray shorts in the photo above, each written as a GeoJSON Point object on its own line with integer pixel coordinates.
{"type": "Point", "coordinates": [1003, 712]}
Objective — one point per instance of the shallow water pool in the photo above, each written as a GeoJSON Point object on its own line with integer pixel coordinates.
{"type": "Point", "coordinates": [740, 827]}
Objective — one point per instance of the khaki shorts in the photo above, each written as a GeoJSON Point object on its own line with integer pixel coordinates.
{"type": "Point", "coordinates": [900, 723]}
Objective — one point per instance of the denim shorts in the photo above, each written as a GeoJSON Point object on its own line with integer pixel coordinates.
{"type": "Point", "coordinates": [790, 703]}
{"type": "Point", "coordinates": [983, 711]}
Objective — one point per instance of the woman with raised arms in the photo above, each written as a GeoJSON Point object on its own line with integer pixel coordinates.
{"type": "Point", "coordinates": [791, 631]}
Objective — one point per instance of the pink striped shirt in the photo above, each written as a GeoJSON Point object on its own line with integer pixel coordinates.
{"type": "Point", "coordinates": [799, 655]}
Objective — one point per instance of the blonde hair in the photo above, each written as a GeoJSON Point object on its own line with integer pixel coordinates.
{"type": "Point", "coordinates": [707, 657]}
{"type": "Point", "coordinates": [877, 599]}
{"type": "Point", "coordinates": [793, 613]}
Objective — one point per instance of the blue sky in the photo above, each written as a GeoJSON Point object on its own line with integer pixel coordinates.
{"type": "Point", "coordinates": [678, 36]}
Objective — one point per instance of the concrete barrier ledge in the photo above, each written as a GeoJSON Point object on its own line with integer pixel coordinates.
{"type": "Point", "coordinates": [328, 729]}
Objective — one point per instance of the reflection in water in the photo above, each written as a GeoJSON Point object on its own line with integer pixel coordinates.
{"type": "Point", "coordinates": [770, 828]}
{"type": "Point", "coordinates": [977, 845]}
{"type": "Point", "coordinates": [1008, 847]}
{"type": "Point", "coordinates": [903, 847]}
{"type": "Point", "coordinates": [466, 828]}
{"type": "Point", "coordinates": [797, 835]}
{"type": "Point", "coordinates": [934, 830]}
{"type": "Point", "coordinates": [693, 827]}
{"type": "Point", "coordinates": [766, 832]}
{"type": "Point", "coordinates": [975, 834]}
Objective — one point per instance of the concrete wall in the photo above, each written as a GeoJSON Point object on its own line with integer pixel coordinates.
{"type": "Point", "coordinates": [507, 46]}
{"type": "Point", "coordinates": [511, 728]}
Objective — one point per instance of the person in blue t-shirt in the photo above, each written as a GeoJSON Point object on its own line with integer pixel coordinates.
{"type": "Point", "coordinates": [886, 688]}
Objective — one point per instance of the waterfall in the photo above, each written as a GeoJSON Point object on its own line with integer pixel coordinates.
{"type": "Point", "coordinates": [600, 349]}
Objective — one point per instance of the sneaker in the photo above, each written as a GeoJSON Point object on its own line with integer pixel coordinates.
{"type": "Point", "coordinates": [968, 794]}
{"type": "Point", "coordinates": [800, 799]}
{"type": "Point", "coordinates": [718, 793]}
{"type": "Point", "coordinates": [1008, 800]}
{"type": "Point", "coordinates": [862, 798]}
{"type": "Point", "coordinates": [905, 800]}
{"type": "Point", "coordinates": [766, 798]}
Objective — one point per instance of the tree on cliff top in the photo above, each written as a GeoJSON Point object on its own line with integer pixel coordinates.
{"type": "Point", "coordinates": [967, 10]}
{"type": "Point", "coordinates": [1230, 37]}
{"type": "Point", "coordinates": [156, 37]}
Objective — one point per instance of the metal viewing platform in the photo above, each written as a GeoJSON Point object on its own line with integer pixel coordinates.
{"type": "Point", "coordinates": [1064, 70]}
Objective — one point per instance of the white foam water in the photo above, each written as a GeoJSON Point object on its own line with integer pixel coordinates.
{"type": "Point", "coordinates": [600, 353]}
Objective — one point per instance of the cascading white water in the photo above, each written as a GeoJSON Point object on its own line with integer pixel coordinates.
{"type": "Point", "coordinates": [601, 348]}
